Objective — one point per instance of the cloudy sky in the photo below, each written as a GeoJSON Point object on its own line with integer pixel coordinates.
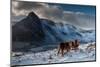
{"type": "Point", "coordinates": [78, 15]}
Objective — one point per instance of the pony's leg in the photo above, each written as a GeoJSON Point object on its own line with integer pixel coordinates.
{"type": "Point", "coordinates": [68, 50]}
{"type": "Point", "coordinates": [62, 52]}
{"type": "Point", "coordinates": [58, 51]}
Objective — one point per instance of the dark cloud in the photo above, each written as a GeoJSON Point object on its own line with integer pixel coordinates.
{"type": "Point", "coordinates": [24, 7]}
{"type": "Point", "coordinates": [28, 5]}
{"type": "Point", "coordinates": [43, 10]}
{"type": "Point", "coordinates": [79, 19]}
{"type": "Point", "coordinates": [51, 12]}
{"type": "Point", "coordinates": [68, 17]}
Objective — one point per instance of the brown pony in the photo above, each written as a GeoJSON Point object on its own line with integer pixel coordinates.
{"type": "Point", "coordinates": [68, 46]}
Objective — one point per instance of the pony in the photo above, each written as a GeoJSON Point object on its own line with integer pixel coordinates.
{"type": "Point", "coordinates": [71, 45]}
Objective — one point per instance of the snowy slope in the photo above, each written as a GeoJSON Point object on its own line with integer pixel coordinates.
{"type": "Point", "coordinates": [50, 56]}
{"type": "Point", "coordinates": [64, 32]}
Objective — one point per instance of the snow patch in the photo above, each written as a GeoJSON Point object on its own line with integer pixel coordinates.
{"type": "Point", "coordinates": [50, 56]}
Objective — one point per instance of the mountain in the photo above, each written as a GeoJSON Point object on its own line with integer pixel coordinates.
{"type": "Point", "coordinates": [27, 29]}
{"type": "Point", "coordinates": [44, 32]}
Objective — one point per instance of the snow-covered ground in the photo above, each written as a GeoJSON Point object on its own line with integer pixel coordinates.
{"type": "Point", "coordinates": [86, 52]}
